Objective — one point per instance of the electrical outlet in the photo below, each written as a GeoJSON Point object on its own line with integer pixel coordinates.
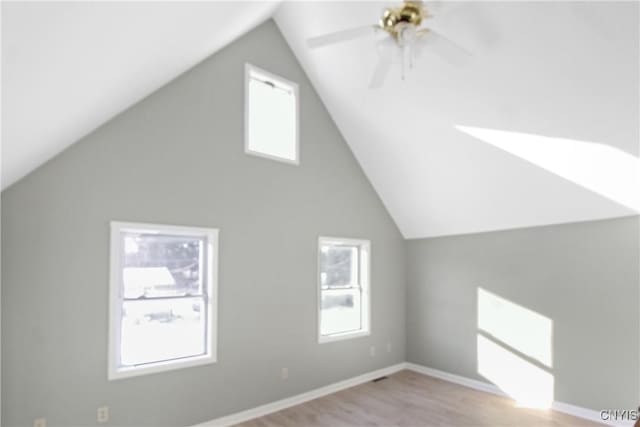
{"type": "Point", "coordinates": [40, 422]}
{"type": "Point", "coordinates": [372, 351]}
{"type": "Point", "coordinates": [103, 414]}
{"type": "Point", "coordinates": [388, 346]}
{"type": "Point", "coordinates": [285, 373]}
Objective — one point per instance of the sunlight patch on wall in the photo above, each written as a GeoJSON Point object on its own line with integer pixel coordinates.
{"type": "Point", "coordinates": [529, 385]}
{"type": "Point", "coordinates": [520, 328]}
{"type": "Point", "coordinates": [605, 170]}
{"type": "Point", "coordinates": [514, 346]}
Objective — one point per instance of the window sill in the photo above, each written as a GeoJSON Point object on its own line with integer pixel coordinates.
{"type": "Point", "coordinates": [287, 160]}
{"type": "Point", "coordinates": [155, 368]}
{"type": "Point", "coordinates": [322, 339]}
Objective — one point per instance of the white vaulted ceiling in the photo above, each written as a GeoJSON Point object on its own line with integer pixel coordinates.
{"type": "Point", "coordinates": [539, 127]}
{"type": "Point", "coordinates": [68, 67]}
{"type": "Point", "coordinates": [551, 69]}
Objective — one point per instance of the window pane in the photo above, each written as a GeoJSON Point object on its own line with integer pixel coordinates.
{"type": "Point", "coordinates": [154, 331]}
{"type": "Point", "coordinates": [157, 265]}
{"type": "Point", "coordinates": [341, 311]}
{"type": "Point", "coordinates": [272, 119]}
{"type": "Point", "coordinates": [338, 266]}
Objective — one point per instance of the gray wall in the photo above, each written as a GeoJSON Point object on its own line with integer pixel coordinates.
{"type": "Point", "coordinates": [582, 276]}
{"type": "Point", "coordinates": [177, 158]}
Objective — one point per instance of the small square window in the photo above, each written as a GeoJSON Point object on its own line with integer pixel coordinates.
{"type": "Point", "coordinates": [163, 298]}
{"type": "Point", "coordinates": [343, 282]}
{"type": "Point", "coordinates": [271, 116]}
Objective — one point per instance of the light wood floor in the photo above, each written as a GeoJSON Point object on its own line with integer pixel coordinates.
{"type": "Point", "coordinates": [408, 398]}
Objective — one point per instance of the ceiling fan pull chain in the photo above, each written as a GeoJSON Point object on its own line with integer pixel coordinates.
{"type": "Point", "coordinates": [412, 55]}
{"type": "Point", "coordinates": [404, 60]}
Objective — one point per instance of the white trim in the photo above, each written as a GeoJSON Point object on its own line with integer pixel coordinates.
{"type": "Point", "coordinates": [279, 405]}
{"type": "Point", "coordinates": [248, 68]}
{"type": "Point", "coordinates": [345, 241]}
{"type": "Point", "coordinates": [587, 414]}
{"type": "Point", "coordinates": [322, 339]}
{"type": "Point", "coordinates": [116, 372]}
{"type": "Point", "coordinates": [156, 368]}
{"type": "Point", "coordinates": [177, 230]}
{"type": "Point", "coordinates": [364, 277]}
{"type": "Point", "coordinates": [269, 408]}
{"type": "Point", "coordinates": [456, 379]}
{"type": "Point", "coordinates": [576, 411]}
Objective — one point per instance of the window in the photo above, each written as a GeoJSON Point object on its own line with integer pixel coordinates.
{"type": "Point", "coordinates": [271, 116]}
{"type": "Point", "coordinates": [344, 290]}
{"type": "Point", "coordinates": [163, 298]}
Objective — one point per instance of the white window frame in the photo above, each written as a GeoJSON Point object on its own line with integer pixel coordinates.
{"type": "Point", "coordinates": [249, 69]}
{"type": "Point", "coordinates": [115, 371]}
{"type": "Point", "coordinates": [364, 277]}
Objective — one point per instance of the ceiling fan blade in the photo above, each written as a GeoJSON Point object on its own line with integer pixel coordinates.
{"type": "Point", "coordinates": [380, 73]}
{"type": "Point", "coordinates": [341, 36]}
{"type": "Point", "coordinates": [446, 49]}
{"type": "Point", "coordinates": [385, 50]}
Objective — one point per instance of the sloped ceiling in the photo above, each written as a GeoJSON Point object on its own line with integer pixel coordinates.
{"type": "Point", "coordinates": [548, 69]}
{"type": "Point", "coordinates": [539, 127]}
{"type": "Point", "coordinates": [68, 67]}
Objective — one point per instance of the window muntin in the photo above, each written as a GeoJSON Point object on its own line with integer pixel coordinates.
{"type": "Point", "coordinates": [344, 308]}
{"type": "Point", "coordinates": [163, 296]}
{"type": "Point", "coordinates": [271, 110]}
{"type": "Point", "coordinates": [338, 266]}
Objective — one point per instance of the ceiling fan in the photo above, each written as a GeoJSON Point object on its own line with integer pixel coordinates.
{"type": "Point", "coordinates": [406, 36]}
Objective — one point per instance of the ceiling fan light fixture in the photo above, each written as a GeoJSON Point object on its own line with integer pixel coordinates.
{"type": "Point", "coordinates": [406, 38]}
{"type": "Point", "coordinates": [406, 34]}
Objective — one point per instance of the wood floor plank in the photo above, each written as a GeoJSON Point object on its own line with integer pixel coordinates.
{"type": "Point", "coordinates": [410, 399]}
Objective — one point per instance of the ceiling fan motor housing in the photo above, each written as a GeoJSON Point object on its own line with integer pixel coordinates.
{"type": "Point", "coordinates": [410, 13]}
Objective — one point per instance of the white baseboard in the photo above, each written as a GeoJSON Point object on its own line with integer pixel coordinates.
{"type": "Point", "coordinates": [239, 417]}
{"type": "Point", "coordinates": [279, 405]}
{"type": "Point", "coordinates": [576, 411]}
{"type": "Point", "coordinates": [456, 379]}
